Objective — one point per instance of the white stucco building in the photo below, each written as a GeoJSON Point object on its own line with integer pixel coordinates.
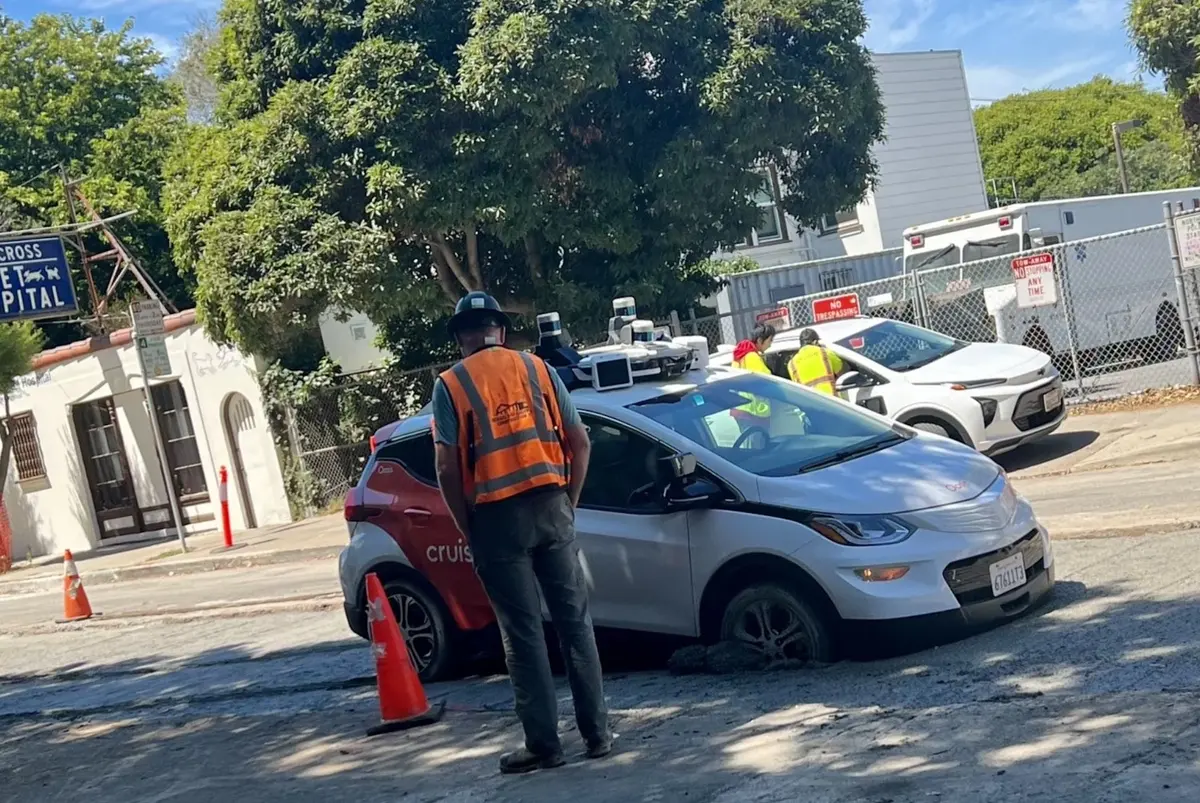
{"type": "Point", "coordinates": [85, 472]}
{"type": "Point", "coordinates": [929, 168]}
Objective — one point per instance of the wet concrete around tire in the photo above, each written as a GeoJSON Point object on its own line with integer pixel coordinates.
{"type": "Point", "coordinates": [1094, 698]}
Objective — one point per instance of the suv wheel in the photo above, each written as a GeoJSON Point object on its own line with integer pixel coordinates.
{"type": "Point", "coordinates": [778, 623]}
{"type": "Point", "coordinates": [427, 629]}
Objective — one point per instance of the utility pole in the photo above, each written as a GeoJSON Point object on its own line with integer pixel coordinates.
{"type": "Point", "coordinates": [1117, 130]}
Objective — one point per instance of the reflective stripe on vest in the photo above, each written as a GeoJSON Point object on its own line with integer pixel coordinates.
{"type": "Point", "coordinates": [509, 424]}
{"type": "Point", "coordinates": [759, 408]}
{"type": "Point", "coordinates": [810, 367]}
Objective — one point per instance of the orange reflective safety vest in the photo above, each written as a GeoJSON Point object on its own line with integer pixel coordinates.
{"type": "Point", "coordinates": [758, 408]}
{"type": "Point", "coordinates": [816, 367]}
{"type": "Point", "coordinates": [509, 426]}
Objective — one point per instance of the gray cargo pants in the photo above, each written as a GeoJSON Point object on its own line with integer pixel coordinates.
{"type": "Point", "coordinates": [519, 544]}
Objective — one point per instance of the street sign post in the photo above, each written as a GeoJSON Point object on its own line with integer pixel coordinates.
{"type": "Point", "coordinates": [1187, 234]}
{"type": "Point", "coordinates": [149, 335]}
{"type": "Point", "coordinates": [35, 280]}
{"type": "Point", "coordinates": [835, 308]}
{"type": "Point", "coordinates": [1034, 277]}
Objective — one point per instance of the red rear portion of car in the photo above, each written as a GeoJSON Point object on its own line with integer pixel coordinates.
{"type": "Point", "coordinates": [401, 496]}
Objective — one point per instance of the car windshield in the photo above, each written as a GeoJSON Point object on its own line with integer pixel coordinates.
{"type": "Point", "coordinates": [769, 426]}
{"type": "Point", "coordinates": [900, 346]}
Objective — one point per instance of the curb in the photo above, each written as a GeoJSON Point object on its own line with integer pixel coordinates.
{"type": "Point", "coordinates": [1129, 531]}
{"type": "Point", "coordinates": [47, 583]}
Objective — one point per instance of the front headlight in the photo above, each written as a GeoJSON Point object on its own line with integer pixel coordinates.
{"type": "Point", "coordinates": [862, 530]}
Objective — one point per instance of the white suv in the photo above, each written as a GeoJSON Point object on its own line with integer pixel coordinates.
{"type": "Point", "coordinates": [992, 396]}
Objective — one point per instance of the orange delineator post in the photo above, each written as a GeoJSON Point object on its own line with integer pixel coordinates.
{"type": "Point", "coordinates": [223, 492]}
{"type": "Point", "coordinates": [75, 601]}
{"type": "Point", "coordinates": [402, 701]}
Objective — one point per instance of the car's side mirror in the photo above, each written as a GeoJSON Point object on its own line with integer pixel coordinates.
{"type": "Point", "coordinates": [853, 379]}
{"type": "Point", "coordinates": [693, 493]}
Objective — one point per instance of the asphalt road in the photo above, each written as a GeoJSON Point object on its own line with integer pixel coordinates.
{"type": "Point", "coordinates": [1095, 698]}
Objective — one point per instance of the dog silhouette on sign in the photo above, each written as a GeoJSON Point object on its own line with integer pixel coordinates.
{"type": "Point", "coordinates": [52, 273]}
{"type": "Point", "coordinates": [34, 276]}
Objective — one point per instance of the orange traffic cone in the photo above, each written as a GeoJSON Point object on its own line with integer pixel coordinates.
{"type": "Point", "coordinates": [75, 602]}
{"type": "Point", "coordinates": [402, 701]}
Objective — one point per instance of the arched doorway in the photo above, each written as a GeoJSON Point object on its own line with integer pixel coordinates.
{"type": "Point", "coordinates": [242, 435]}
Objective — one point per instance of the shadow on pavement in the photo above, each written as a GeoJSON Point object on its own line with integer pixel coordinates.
{"type": "Point", "coordinates": [1053, 447]}
{"type": "Point", "coordinates": [1056, 703]}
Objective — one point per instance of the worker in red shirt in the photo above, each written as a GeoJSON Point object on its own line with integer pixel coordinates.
{"type": "Point", "coordinates": [748, 355]}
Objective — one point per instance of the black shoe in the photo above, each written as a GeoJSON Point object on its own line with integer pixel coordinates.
{"type": "Point", "coordinates": [523, 761]}
{"type": "Point", "coordinates": [600, 749]}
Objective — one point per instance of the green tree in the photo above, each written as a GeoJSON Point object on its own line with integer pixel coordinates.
{"type": "Point", "coordinates": [387, 156]}
{"type": "Point", "coordinates": [1152, 166]}
{"type": "Point", "coordinates": [1042, 139]}
{"type": "Point", "coordinates": [1166, 33]}
{"type": "Point", "coordinates": [19, 344]}
{"type": "Point", "coordinates": [75, 94]}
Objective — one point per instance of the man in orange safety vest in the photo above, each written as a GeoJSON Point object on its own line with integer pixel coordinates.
{"type": "Point", "coordinates": [512, 454]}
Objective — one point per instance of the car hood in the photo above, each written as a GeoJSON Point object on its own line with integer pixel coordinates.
{"type": "Point", "coordinates": [980, 361]}
{"type": "Point", "coordinates": [923, 472]}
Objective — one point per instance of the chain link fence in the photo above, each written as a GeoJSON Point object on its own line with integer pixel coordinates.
{"type": "Point", "coordinates": [1117, 313]}
{"type": "Point", "coordinates": [328, 432]}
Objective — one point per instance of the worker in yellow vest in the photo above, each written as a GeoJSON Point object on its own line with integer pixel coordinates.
{"type": "Point", "coordinates": [815, 366]}
{"type": "Point", "coordinates": [748, 355]}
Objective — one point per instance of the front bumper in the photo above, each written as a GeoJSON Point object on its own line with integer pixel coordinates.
{"type": "Point", "coordinates": [872, 637]}
{"type": "Point", "coordinates": [1022, 418]}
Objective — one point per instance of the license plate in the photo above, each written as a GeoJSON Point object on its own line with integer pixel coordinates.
{"type": "Point", "coordinates": [1053, 399]}
{"type": "Point", "coordinates": [1007, 574]}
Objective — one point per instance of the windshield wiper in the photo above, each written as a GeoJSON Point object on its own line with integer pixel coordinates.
{"type": "Point", "coordinates": [868, 447]}
{"type": "Point", "coordinates": [932, 257]}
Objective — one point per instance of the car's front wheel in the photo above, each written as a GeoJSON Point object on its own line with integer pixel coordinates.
{"type": "Point", "coordinates": [428, 631]}
{"type": "Point", "coordinates": [777, 623]}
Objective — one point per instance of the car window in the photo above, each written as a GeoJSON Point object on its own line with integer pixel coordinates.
{"type": "Point", "coordinates": [415, 454]}
{"type": "Point", "coordinates": [800, 431]}
{"type": "Point", "coordinates": [900, 346]}
{"type": "Point", "coordinates": [623, 473]}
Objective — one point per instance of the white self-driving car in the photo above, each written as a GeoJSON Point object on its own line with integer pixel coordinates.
{"type": "Point", "coordinates": [992, 396]}
{"type": "Point", "coordinates": [788, 535]}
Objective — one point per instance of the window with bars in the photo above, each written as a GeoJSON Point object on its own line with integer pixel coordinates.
{"type": "Point", "coordinates": [833, 279]}
{"type": "Point", "coordinates": [26, 451]}
{"type": "Point", "coordinates": [183, 453]}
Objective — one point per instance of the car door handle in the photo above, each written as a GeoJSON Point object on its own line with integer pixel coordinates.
{"type": "Point", "coordinates": [417, 513]}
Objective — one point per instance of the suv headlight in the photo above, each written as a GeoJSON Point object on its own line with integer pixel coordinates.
{"type": "Point", "coordinates": [862, 530]}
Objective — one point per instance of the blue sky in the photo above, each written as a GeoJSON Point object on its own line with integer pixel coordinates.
{"type": "Point", "coordinates": [1008, 45]}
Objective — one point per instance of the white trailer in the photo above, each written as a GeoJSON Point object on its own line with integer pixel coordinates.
{"type": "Point", "coordinates": [1116, 299]}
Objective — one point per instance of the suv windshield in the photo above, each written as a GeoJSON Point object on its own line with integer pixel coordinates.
{"type": "Point", "coordinates": [791, 431]}
{"type": "Point", "coordinates": [900, 346]}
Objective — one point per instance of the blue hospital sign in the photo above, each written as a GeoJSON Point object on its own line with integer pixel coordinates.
{"type": "Point", "coordinates": [35, 280]}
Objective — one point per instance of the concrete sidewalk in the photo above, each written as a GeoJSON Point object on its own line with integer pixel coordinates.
{"type": "Point", "coordinates": [314, 539]}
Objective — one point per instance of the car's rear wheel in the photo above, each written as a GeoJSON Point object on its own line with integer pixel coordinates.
{"type": "Point", "coordinates": [428, 631]}
{"type": "Point", "coordinates": [777, 623]}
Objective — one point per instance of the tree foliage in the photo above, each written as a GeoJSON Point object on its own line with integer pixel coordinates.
{"type": "Point", "coordinates": [76, 94]}
{"type": "Point", "coordinates": [1152, 166]}
{"type": "Point", "coordinates": [1166, 34]}
{"type": "Point", "coordinates": [388, 155]}
{"type": "Point", "coordinates": [1046, 139]}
